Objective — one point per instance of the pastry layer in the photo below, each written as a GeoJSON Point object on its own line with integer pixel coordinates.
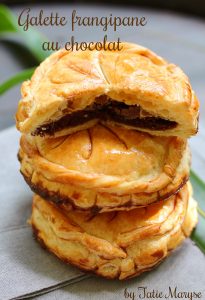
{"type": "Point", "coordinates": [115, 244]}
{"type": "Point", "coordinates": [133, 87]}
{"type": "Point", "coordinates": [105, 168]}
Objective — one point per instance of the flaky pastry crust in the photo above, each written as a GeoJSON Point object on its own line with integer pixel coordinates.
{"type": "Point", "coordinates": [115, 244]}
{"type": "Point", "coordinates": [105, 168]}
{"type": "Point", "coordinates": [68, 82]}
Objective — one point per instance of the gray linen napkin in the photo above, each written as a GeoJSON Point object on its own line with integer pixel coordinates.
{"type": "Point", "coordinates": [27, 270]}
{"type": "Point", "coordinates": [184, 269]}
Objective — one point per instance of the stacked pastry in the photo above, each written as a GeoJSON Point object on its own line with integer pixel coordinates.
{"type": "Point", "coordinates": [104, 148]}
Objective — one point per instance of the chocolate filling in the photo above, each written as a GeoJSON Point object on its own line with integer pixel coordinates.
{"type": "Point", "coordinates": [132, 115]}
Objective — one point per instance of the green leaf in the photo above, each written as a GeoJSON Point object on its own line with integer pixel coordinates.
{"type": "Point", "coordinates": [32, 39]}
{"type": "Point", "coordinates": [18, 78]}
{"type": "Point", "coordinates": [198, 235]}
{"type": "Point", "coordinates": [7, 22]}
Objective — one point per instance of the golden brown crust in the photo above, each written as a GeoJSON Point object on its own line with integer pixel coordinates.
{"type": "Point", "coordinates": [105, 168]}
{"type": "Point", "coordinates": [70, 81]}
{"type": "Point", "coordinates": [83, 199]}
{"type": "Point", "coordinates": [115, 244]}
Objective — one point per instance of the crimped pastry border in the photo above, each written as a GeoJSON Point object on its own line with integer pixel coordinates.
{"type": "Point", "coordinates": [120, 266]}
{"type": "Point", "coordinates": [97, 208]}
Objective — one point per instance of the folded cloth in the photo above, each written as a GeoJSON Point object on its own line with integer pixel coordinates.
{"type": "Point", "coordinates": [25, 267]}
{"type": "Point", "coordinates": [176, 271]}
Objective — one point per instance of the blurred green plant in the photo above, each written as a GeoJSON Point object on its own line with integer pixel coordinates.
{"type": "Point", "coordinates": [198, 235]}
{"type": "Point", "coordinates": [18, 78]}
{"type": "Point", "coordinates": [33, 41]}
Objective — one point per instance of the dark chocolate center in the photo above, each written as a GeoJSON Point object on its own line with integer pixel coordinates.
{"type": "Point", "coordinates": [132, 115]}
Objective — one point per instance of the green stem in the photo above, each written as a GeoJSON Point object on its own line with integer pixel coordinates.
{"type": "Point", "coordinates": [202, 213]}
{"type": "Point", "coordinates": [18, 78]}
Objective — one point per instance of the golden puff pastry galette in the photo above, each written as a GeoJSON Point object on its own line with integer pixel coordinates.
{"type": "Point", "coordinates": [133, 87]}
{"type": "Point", "coordinates": [105, 168]}
{"type": "Point", "coordinates": [115, 244]}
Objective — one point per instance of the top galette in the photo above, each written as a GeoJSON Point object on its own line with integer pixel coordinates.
{"type": "Point", "coordinates": [133, 88]}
